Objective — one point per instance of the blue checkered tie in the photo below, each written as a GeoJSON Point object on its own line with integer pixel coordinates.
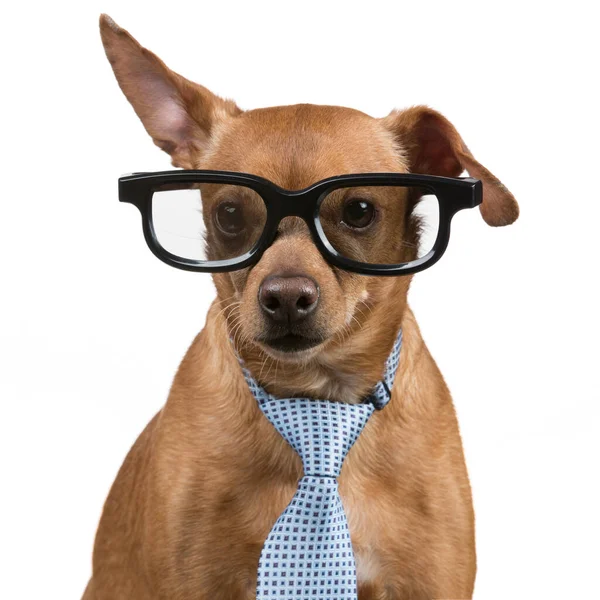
{"type": "Point", "coordinates": [308, 553]}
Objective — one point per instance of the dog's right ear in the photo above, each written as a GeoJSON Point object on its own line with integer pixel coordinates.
{"type": "Point", "coordinates": [179, 114]}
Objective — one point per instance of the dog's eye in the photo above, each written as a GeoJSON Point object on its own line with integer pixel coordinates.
{"type": "Point", "coordinates": [229, 217]}
{"type": "Point", "coordinates": [358, 213]}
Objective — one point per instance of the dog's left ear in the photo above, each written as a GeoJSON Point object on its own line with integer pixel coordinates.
{"type": "Point", "coordinates": [434, 147]}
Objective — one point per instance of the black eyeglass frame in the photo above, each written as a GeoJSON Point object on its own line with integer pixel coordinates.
{"type": "Point", "coordinates": [453, 194]}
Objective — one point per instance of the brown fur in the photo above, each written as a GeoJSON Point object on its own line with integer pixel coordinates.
{"type": "Point", "coordinates": [202, 486]}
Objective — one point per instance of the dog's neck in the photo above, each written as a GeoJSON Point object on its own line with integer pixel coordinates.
{"type": "Point", "coordinates": [346, 369]}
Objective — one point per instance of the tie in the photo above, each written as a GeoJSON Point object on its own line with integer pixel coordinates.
{"type": "Point", "coordinates": [308, 553]}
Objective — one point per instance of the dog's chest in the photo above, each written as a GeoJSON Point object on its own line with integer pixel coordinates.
{"type": "Point", "coordinates": [374, 552]}
{"type": "Point", "coordinates": [379, 518]}
{"type": "Point", "coordinates": [368, 565]}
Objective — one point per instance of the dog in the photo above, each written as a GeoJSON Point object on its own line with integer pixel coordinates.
{"type": "Point", "coordinates": [205, 481]}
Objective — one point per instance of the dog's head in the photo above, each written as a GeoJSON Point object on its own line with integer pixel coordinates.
{"type": "Point", "coordinates": [292, 311]}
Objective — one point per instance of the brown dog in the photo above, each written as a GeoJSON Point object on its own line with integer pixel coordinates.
{"type": "Point", "coordinates": [201, 488]}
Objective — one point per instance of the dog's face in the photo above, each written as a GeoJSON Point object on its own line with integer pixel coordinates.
{"type": "Point", "coordinates": [293, 307]}
{"type": "Point", "coordinates": [293, 303]}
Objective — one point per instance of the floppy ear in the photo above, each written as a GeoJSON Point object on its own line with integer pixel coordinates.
{"type": "Point", "coordinates": [433, 146]}
{"type": "Point", "coordinates": [177, 113]}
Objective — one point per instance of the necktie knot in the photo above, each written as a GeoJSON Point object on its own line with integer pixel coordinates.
{"type": "Point", "coordinates": [321, 432]}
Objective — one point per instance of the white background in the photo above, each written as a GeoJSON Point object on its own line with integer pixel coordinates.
{"type": "Point", "coordinates": [93, 326]}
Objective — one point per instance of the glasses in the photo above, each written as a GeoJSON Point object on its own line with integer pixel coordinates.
{"type": "Point", "coordinates": [373, 224]}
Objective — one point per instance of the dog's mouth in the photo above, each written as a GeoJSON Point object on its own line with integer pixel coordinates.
{"type": "Point", "coordinates": [290, 342]}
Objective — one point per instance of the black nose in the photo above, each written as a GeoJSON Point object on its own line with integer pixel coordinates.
{"type": "Point", "coordinates": [288, 299]}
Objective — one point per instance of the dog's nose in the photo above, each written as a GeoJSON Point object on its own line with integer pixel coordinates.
{"type": "Point", "coordinates": [288, 299]}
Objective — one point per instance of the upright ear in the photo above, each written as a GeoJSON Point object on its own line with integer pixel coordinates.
{"type": "Point", "coordinates": [179, 114]}
{"type": "Point", "coordinates": [433, 146]}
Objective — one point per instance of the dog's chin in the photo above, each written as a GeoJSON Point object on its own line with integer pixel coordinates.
{"type": "Point", "coordinates": [291, 347]}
